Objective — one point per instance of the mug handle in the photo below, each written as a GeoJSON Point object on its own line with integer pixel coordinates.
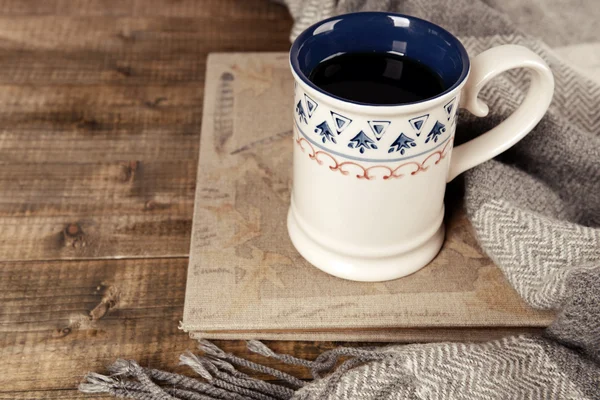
{"type": "Point", "coordinates": [485, 67]}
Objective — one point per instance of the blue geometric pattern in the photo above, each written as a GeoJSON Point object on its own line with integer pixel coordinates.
{"type": "Point", "coordinates": [362, 142]}
{"type": "Point", "coordinates": [340, 122]}
{"type": "Point", "coordinates": [311, 105]}
{"type": "Point", "coordinates": [449, 107]}
{"type": "Point", "coordinates": [435, 132]}
{"type": "Point", "coordinates": [300, 112]}
{"type": "Point", "coordinates": [374, 143]}
{"type": "Point", "coordinates": [379, 128]}
{"type": "Point", "coordinates": [401, 144]}
{"type": "Point", "coordinates": [325, 132]}
{"type": "Point", "coordinates": [418, 123]}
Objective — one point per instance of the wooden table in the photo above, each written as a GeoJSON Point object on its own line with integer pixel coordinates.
{"type": "Point", "coordinates": [100, 110]}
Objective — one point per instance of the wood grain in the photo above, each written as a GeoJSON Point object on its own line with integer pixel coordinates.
{"type": "Point", "coordinates": [96, 210]}
{"type": "Point", "coordinates": [257, 10]}
{"type": "Point", "coordinates": [101, 104]}
{"type": "Point", "coordinates": [61, 319]}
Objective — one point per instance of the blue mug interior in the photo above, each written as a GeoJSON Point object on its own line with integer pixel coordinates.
{"type": "Point", "coordinates": [381, 32]}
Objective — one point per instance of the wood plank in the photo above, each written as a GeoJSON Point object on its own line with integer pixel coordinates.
{"type": "Point", "coordinates": [94, 236]}
{"type": "Point", "coordinates": [93, 50]}
{"type": "Point", "coordinates": [117, 188]}
{"type": "Point", "coordinates": [178, 61]}
{"type": "Point", "coordinates": [250, 9]}
{"type": "Point", "coordinates": [113, 120]}
{"type": "Point", "coordinates": [74, 146]}
{"type": "Point", "coordinates": [83, 145]}
{"type": "Point", "coordinates": [151, 96]}
{"type": "Point", "coordinates": [99, 123]}
{"type": "Point", "coordinates": [62, 394]}
{"type": "Point", "coordinates": [96, 210]}
{"type": "Point", "coordinates": [120, 35]}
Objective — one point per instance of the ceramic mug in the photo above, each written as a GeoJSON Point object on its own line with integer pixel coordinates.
{"type": "Point", "coordinates": [369, 180]}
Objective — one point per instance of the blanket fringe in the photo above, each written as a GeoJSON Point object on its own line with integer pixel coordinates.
{"type": "Point", "coordinates": [220, 379]}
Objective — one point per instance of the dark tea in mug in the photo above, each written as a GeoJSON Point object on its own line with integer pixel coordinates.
{"type": "Point", "coordinates": [377, 78]}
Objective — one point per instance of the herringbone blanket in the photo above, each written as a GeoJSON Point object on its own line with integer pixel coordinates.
{"type": "Point", "coordinates": [536, 211]}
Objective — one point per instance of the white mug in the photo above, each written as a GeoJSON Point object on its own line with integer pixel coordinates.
{"type": "Point", "coordinates": [369, 180]}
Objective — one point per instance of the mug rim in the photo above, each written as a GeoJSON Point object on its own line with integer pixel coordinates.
{"type": "Point", "coordinates": [297, 44]}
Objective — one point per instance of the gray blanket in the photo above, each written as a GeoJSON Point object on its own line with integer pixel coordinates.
{"type": "Point", "coordinates": [536, 212]}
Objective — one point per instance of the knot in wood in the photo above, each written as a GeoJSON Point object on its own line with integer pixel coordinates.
{"type": "Point", "coordinates": [73, 230]}
{"type": "Point", "coordinates": [73, 236]}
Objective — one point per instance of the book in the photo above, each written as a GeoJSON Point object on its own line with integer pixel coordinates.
{"type": "Point", "coordinates": [246, 280]}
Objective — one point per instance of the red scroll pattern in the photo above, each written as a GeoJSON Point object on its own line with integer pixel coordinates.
{"type": "Point", "coordinates": [345, 167]}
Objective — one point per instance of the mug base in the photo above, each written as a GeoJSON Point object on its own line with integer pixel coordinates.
{"type": "Point", "coordinates": [364, 269]}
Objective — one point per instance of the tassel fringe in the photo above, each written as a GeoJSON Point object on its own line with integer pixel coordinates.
{"type": "Point", "coordinates": [219, 377]}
